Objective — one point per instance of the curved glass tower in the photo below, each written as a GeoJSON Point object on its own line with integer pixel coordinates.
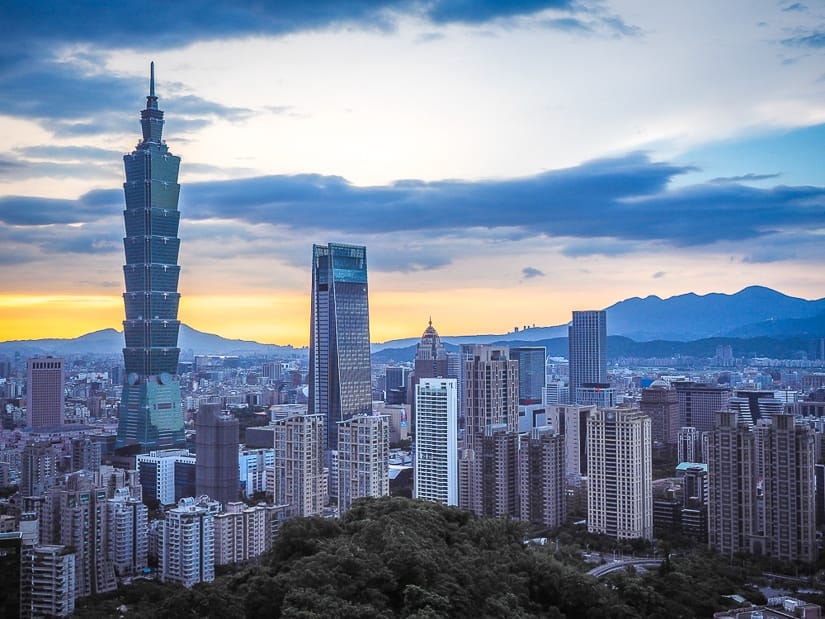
{"type": "Point", "coordinates": [340, 384]}
{"type": "Point", "coordinates": [150, 408]}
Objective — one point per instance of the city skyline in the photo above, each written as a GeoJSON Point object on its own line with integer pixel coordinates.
{"type": "Point", "coordinates": [568, 155]}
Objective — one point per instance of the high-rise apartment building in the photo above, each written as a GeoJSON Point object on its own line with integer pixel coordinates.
{"type": "Point", "coordinates": [490, 389]}
{"type": "Point", "coordinates": [127, 522]}
{"type": "Point", "coordinates": [217, 474]}
{"type": "Point", "coordinates": [298, 471]}
{"type": "Point", "coordinates": [79, 510]}
{"type": "Point", "coordinates": [363, 458]}
{"type": "Point", "coordinates": [699, 403]}
{"type": "Point", "coordinates": [38, 468]}
{"type": "Point", "coordinates": [187, 542]}
{"type": "Point", "coordinates": [541, 475]}
{"type": "Point", "coordinates": [587, 345]}
{"type": "Point", "coordinates": [340, 384]}
{"type": "Point", "coordinates": [689, 445]}
{"type": "Point", "coordinates": [431, 361]}
{"type": "Point", "coordinates": [620, 474]}
{"type": "Point", "coordinates": [661, 403]}
{"type": "Point", "coordinates": [571, 421]}
{"type": "Point", "coordinates": [150, 414]}
{"type": "Point", "coordinates": [436, 441]}
{"type": "Point", "coordinates": [490, 473]}
{"type": "Point", "coordinates": [241, 533]}
{"type": "Point", "coordinates": [45, 386]}
{"type": "Point", "coordinates": [780, 520]}
{"type": "Point", "coordinates": [47, 584]}
{"type": "Point", "coordinates": [532, 375]}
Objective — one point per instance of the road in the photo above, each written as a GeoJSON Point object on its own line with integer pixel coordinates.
{"type": "Point", "coordinates": [607, 568]}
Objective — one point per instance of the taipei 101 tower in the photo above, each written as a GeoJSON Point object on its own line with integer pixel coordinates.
{"type": "Point", "coordinates": [150, 408]}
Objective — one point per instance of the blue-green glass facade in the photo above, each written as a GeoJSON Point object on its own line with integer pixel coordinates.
{"type": "Point", "coordinates": [339, 341]}
{"type": "Point", "coordinates": [150, 409]}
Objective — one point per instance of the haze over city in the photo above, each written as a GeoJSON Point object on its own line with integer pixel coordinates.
{"type": "Point", "coordinates": [503, 164]}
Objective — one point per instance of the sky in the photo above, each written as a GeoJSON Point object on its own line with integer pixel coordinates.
{"type": "Point", "coordinates": [505, 163]}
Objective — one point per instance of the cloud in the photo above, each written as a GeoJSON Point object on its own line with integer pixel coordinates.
{"type": "Point", "coordinates": [796, 6]}
{"type": "Point", "coordinates": [744, 178]}
{"type": "Point", "coordinates": [531, 272]}
{"type": "Point", "coordinates": [603, 207]}
{"type": "Point", "coordinates": [814, 39]}
{"type": "Point", "coordinates": [482, 11]}
{"type": "Point", "coordinates": [70, 153]}
{"type": "Point", "coordinates": [659, 274]}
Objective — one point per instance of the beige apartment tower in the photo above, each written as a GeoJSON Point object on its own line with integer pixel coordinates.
{"type": "Point", "coordinates": [620, 473]}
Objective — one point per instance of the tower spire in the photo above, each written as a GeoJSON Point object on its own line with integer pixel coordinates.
{"type": "Point", "coordinates": [152, 79]}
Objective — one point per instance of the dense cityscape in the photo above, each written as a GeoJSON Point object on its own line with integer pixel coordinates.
{"type": "Point", "coordinates": [158, 467]}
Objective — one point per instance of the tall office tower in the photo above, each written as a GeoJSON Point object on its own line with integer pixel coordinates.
{"type": "Point", "coordinates": [86, 454]}
{"type": "Point", "coordinates": [699, 403]}
{"type": "Point", "coordinates": [531, 373]}
{"type": "Point", "coordinates": [689, 445]}
{"type": "Point", "coordinates": [490, 389]}
{"type": "Point", "coordinates": [150, 414]}
{"type": "Point", "coordinates": [732, 499]}
{"type": "Point", "coordinates": [80, 508]}
{"type": "Point", "coordinates": [600, 396]}
{"type": "Point", "coordinates": [187, 542]}
{"type": "Point", "coordinates": [587, 345]}
{"type": "Point", "coordinates": [571, 421]}
{"type": "Point", "coordinates": [753, 405]}
{"type": "Point", "coordinates": [340, 384]}
{"type": "Point", "coordinates": [436, 441]}
{"type": "Point", "coordinates": [299, 464]}
{"type": "Point", "coordinates": [694, 514]}
{"type": "Point", "coordinates": [779, 521]}
{"type": "Point", "coordinates": [38, 468]}
{"type": "Point", "coordinates": [216, 469]}
{"type": "Point", "coordinates": [363, 458]}
{"type": "Point", "coordinates": [47, 587]}
{"type": "Point", "coordinates": [430, 360]}
{"type": "Point", "coordinates": [541, 475]}
{"type": "Point", "coordinates": [396, 383]}
{"type": "Point", "coordinates": [127, 521]}
{"type": "Point", "coordinates": [620, 474]}
{"type": "Point", "coordinates": [661, 403]}
{"type": "Point", "coordinates": [45, 384]}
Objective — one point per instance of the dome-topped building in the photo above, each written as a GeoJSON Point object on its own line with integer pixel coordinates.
{"type": "Point", "coordinates": [430, 347]}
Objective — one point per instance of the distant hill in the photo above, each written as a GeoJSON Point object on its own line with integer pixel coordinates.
{"type": "Point", "coordinates": [752, 312]}
{"type": "Point", "coordinates": [110, 341]}
{"type": "Point", "coordinates": [619, 347]}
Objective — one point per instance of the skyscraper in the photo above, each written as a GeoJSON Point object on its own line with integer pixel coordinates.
{"type": "Point", "coordinates": [150, 409]}
{"type": "Point", "coordinates": [490, 390]}
{"type": "Point", "coordinates": [661, 403]}
{"type": "Point", "coordinates": [216, 468]}
{"type": "Point", "coordinates": [187, 542]}
{"type": "Point", "coordinates": [436, 440]}
{"type": "Point", "coordinates": [620, 474]}
{"type": "Point", "coordinates": [45, 385]}
{"type": "Point", "coordinates": [531, 373]}
{"type": "Point", "coordinates": [587, 343]}
{"type": "Point", "coordinates": [339, 340]}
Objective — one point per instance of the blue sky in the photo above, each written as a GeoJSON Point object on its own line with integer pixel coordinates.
{"type": "Point", "coordinates": [504, 163]}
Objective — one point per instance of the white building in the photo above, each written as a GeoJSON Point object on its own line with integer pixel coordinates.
{"type": "Point", "coordinates": [571, 421]}
{"type": "Point", "coordinates": [436, 440]}
{"type": "Point", "coordinates": [187, 544]}
{"type": "Point", "coordinates": [619, 473]}
{"type": "Point", "coordinates": [252, 464]}
{"type": "Point", "coordinates": [156, 472]}
{"type": "Point", "coordinates": [363, 458]}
